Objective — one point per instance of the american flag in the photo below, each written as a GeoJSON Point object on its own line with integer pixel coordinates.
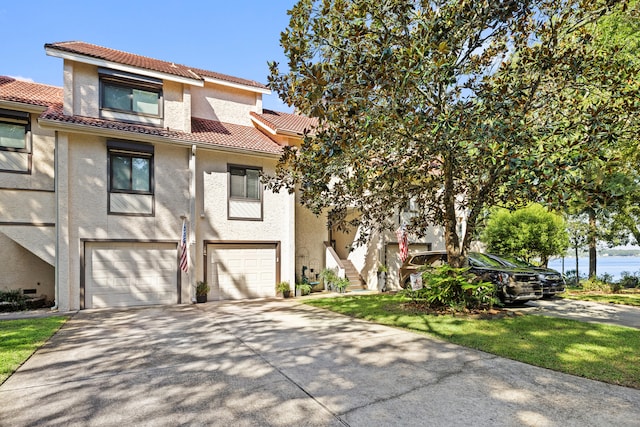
{"type": "Point", "coordinates": [403, 243]}
{"type": "Point", "coordinates": [184, 266]}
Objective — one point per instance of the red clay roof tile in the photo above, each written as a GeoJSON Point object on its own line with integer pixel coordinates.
{"type": "Point", "coordinates": [125, 58]}
{"type": "Point", "coordinates": [29, 93]}
{"type": "Point", "coordinates": [288, 122]}
{"type": "Point", "coordinates": [203, 131]}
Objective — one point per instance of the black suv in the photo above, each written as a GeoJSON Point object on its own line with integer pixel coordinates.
{"type": "Point", "coordinates": [551, 280]}
{"type": "Point", "coordinates": [512, 284]}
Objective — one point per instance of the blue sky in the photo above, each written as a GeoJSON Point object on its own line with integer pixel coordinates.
{"type": "Point", "coordinates": [231, 37]}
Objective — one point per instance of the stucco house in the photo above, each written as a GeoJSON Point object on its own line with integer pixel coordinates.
{"type": "Point", "coordinates": [97, 179]}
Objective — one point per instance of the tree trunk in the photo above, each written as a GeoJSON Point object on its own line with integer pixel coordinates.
{"type": "Point", "coordinates": [455, 256]}
{"type": "Point", "coordinates": [592, 244]}
{"type": "Point", "coordinates": [577, 271]}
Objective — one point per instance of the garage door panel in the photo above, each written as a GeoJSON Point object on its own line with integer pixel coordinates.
{"type": "Point", "coordinates": [242, 271]}
{"type": "Point", "coordinates": [130, 274]}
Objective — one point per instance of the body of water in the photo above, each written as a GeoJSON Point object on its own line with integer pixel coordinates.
{"type": "Point", "coordinates": [613, 265]}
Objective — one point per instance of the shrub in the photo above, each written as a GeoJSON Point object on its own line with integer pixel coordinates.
{"type": "Point", "coordinates": [597, 285]}
{"type": "Point", "coordinates": [15, 300]}
{"type": "Point", "coordinates": [629, 280]}
{"type": "Point", "coordinates": [454, 288]}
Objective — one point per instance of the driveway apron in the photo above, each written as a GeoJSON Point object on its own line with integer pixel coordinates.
{"type": "Point", "coordinates": [279, 363]}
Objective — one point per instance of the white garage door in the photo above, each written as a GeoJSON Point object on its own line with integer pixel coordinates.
{"type": "Point", "coordinates": [239, 271]}
{"type": "Point", "coordinates": [130, 274]}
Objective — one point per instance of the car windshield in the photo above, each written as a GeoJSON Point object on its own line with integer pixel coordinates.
{"type": "Point", "coordinates": [481, 260]}
{"type": "Point", "coordinates": [516, 262]}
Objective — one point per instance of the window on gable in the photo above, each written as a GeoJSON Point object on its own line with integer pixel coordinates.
{"type": "Point", "coordinates": [125, 96]}
{"type": "Point", "coordinates": [131, 184]}
{"type": "Point", "coordinates": [245, 193]}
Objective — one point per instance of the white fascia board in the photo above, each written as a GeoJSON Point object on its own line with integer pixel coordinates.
{"type": "Point", "coordinates": [111, 133]}
{"type": "Point", "coordinates": [263, 126]}
{"type": "Point", "coordinates": [236, 85]}
{"type": "Point", "coordinates": [29, 108]}
{"type": "Point", "coordinates": [121, 67]}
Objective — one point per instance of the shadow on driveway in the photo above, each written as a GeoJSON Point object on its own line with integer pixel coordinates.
{"type": "Point", "coordinates": [279, 363]}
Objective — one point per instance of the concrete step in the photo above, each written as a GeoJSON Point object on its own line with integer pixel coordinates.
{"type": "Point", "coordinates": [351, 273]}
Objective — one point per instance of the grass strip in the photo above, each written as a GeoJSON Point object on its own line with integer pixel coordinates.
{"type": "Point", "coordinates": [20, 338]}
{"type": "Point", "coordinates": [601, 352]}
{"type": "Point", "coordinates": [622, 298]}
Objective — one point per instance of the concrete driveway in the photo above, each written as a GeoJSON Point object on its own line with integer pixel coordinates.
{"type": "Point", "coordinates": [583, 311]}
{"type": "Point", "coordinates": [275, 362]}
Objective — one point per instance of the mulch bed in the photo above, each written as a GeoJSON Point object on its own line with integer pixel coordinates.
{"type": "Point", "coordinates": [479, 313]}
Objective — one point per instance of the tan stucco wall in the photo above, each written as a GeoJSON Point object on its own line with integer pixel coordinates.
{"type": "Point", "coordinates": [85, 87]}
{"type": "Point", "coordinates": [211, 209]}
{"type": "Point", "coordinates": [25, 270]}
{"type": "Point", "coordinates": [87, 207]}
{"type": "Point", "coordinates": [311, 233]}
{"type": "Point", "coordinates": [27, 213]}
{"type": "Point", "coordinates": [225, 104]}
{"type": "Point", "coordinates": [42, 166]}
{"type": "Point", "coordinates": [177, 106]}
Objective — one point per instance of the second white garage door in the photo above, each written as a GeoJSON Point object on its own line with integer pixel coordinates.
{"type": "Point", "coordinates": [128, 274]}
{"type": "Point", "coordinates": [239, 271]}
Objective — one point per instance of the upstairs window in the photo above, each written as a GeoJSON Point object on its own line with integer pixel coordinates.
{"type": "Point", "coordinates": [130, 173]}
{"type": "Point", "coordinates": [124, 96]}
{"type": "Point", "coordinates": [245, 193]}
{"type": "Point", "coordinates": [131, 185]}
{"type": "Point", "coordinates": [14, 128]}
{"type": "Point", "coordinates": [245, 183]}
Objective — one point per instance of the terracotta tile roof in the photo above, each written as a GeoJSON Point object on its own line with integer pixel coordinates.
{"type": "Point", "coordinates": [203, 131]}
{"type": "Point", "coordinates": [130, 59]}
{"type": "Point", "coordinates": [278, 121]}
{"type": "Point", "coordinates": [29, 93]}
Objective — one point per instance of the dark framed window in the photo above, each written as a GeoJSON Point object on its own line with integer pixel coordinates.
{"type": "Point", "coordinates": [244, 183]}
{"type": "Point", "coordinates": [130, 168]}
{"type": "Point", "coordinates": [14, 131]}
{"type": "Point", "coordinates": [245, 193]}
{"type": "Point", "coordinates": [130, 94]}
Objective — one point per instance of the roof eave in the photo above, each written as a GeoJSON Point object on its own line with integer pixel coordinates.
{"type": "Point", "coordinates": [52, 51]}
{"type": "Point", "coordinates": [276, 131]}
{"type": "Point", "coordinates": [114, 133]}
{"type": "Point", "coordinates": [237, 85]}
{"type": "Point", "coordinates": [24, 106]}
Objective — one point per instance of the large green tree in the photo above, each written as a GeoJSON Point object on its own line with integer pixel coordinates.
{"type": "Point", "coordinates": [608, 187]}
{"type": "Point", "coordinates": [531, 233]}
{"type": "Point", "coordinates": [456, 105]}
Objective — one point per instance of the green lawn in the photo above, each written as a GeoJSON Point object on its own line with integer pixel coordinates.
{"type": "Point", "coordinates": [600, 352]}
{"type": "Point", "coordinates": [20, 338]}
{"type": "Point", "coordinates": [624, 297]}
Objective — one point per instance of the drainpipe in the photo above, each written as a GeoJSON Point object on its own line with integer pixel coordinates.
{"type": "Point", "coordinates": [192, 221]}
{"type": "Point", "coordinates": [56, 281]}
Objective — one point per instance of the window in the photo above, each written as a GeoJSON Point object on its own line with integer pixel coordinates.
{"type": "Point", "coordinates": [130, 178]}
{"type": "Point", "coordinates": [245, 193]}
{"type": "Point", "coordinates": [245, 183]}
{"type": "Point", "coordinates": [130, 173]}
{"type": "Point", "coordinates": [125, 96]}
{"type": "Point", "coordinates": [14, 128]}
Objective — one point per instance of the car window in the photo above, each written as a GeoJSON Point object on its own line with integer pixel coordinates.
{"type": "Point", "coordinates": [481, 260]}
